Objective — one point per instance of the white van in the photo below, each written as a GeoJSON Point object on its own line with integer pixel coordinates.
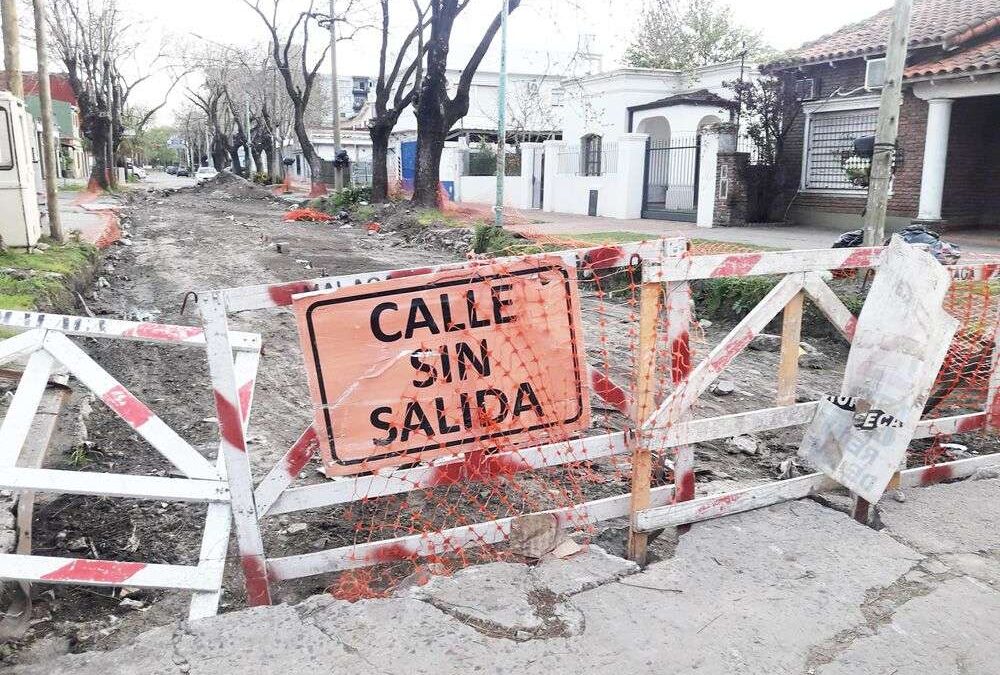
{"type": "Point", "coordinates": [20, 219]}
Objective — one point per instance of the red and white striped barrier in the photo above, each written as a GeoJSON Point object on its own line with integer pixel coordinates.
{"type": "Point", "coordinates": [44, 339]}
{"type": "Point", "coordinates": [663, 261]}
{"type": "Point", "coordinates": [691, 267]}
{"type": "Point", "coordinates": [267, 296]}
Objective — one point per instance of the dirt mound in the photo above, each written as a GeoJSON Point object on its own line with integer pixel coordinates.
{"type": "Point", "coordinates": [228, 185]}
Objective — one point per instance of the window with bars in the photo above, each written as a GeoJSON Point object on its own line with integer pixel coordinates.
{"type": "Point", "coordinates": [830, 147]}
{"type": "Point", "coordinates": [590, 155]}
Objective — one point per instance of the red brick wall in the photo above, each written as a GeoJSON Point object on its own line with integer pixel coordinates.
{"type": "Point", "coordinates": [847, 76]}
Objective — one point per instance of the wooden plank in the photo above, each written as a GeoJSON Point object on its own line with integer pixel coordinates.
{"type": "Point", "coordinates": [681, 399]}
{"type": "Point", "coordinates": [139, 331]}
{"type": "Point", "coordinates": [649, 308]}
{"type": "Point", "coordinates": [233, 449]}
{"type": "Point", "coordinates": [21, 412]}
{"type": "Point", "coordinates": [993, 388]}
{"type": "Point", "coordinates": [48, 570]}
{"type": "Point", "coordinates": [587, 259]}
{"type": "Point", "coordinates": [677, 304]}
{"type": "Point", "coordinates": [730, 503]}
{"type": "Point", "coordinates": [830, 305]}
{"type": "Point", "coordinates": [328, 493]}
{"type": "Point", "coordinates": [673, 515]}
{"type": "Point", "coordinates": [133, 412]}
{"type": "Point", "coordinates": [447, 541]}
{"type": "Point", "coordinates": [219, 517]}
{"type": "Point", "coordinates": [113, 485]}
{"type": "Point", "coordinates": [691, 267]}
{"type": "Point", "coordinates": [20, 345]}
{"type": "Point", "coordinates": [791, 336]}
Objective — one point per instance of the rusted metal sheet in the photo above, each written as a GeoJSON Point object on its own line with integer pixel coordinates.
{"type": "Point", "coordinates": [859, 437]}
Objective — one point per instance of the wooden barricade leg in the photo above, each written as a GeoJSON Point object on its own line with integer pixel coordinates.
{"type": "Point", "coordinates": [677, 302]}
{"type": "Point", "coordinates": [645, 403]}
{"type": "Point", "coordinates": [791, 333]}
{"type": "Point", "coordinates": [232, 447]}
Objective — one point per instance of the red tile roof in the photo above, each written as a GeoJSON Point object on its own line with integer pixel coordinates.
{"type": "Point", "coordinates": [59, 82]}
{"type": "Point", "coordinates": [983, 56]}
{"type": "Point", "coordinates": [933, 22]}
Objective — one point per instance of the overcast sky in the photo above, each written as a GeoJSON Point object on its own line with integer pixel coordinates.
{"type": "Point", "coordinates": [537, 27]}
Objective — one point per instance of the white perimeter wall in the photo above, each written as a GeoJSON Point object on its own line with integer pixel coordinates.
{"type": "Point", "coordinates": [619, 194]}
{"type": "Point", "coordinates": [483, 190]}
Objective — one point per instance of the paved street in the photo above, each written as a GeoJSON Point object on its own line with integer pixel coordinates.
{"type": "Point", "coordinates": [796, 588]}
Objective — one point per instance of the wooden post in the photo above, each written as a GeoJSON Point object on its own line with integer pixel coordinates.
{"type": "Point", "coordinates": [645, 403]}
{"type": "Point", "coordinates": [888, 124]}
{"type": "Point", "coordinates": [791, 334]}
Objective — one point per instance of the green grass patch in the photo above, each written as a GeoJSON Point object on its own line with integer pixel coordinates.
{"type": "Point", "coordinates": [612, 237]}
{"type": "Point", "coordinates": [67, 258]}
{"type": "Point", "coordinates": [43, 278]}
{"type": "Point", "coordinates": [72, 186]}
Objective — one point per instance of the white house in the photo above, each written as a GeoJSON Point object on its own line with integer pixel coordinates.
{"type": "Point", "coordinates": [631, 141]}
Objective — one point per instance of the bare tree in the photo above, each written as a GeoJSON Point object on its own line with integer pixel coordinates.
{"type": "Point", "coordinates": [395, 90]}
{"type": "Point", "coordinates": [437, 112]}
{"type": "Point", "coordinates": [290, 52]}
{"type": "Point", "coordinates": [94, 39]}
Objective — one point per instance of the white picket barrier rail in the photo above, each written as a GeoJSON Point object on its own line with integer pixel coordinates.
{"type": "Point", "coordinates": [43, 338]}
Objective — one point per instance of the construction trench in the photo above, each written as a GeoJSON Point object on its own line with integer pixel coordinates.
{"type": "Point", "coordinates": [226, 236]}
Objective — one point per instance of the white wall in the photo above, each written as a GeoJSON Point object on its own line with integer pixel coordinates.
{"type": "Point", "coordinates": [619, 194]}
{"type": "Point", "coordinates": [483, 190]}
{"type": "Point", "coordinates": [599, 103]}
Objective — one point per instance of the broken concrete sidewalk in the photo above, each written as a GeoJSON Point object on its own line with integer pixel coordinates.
{"type": "Point", "coordinates": [795, 588]}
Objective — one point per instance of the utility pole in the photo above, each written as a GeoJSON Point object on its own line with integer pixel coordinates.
{"type": "Point", "coordinates": [48, 131]}
{"type": "Point", "coordinates": [502, 116]}
{"type": "Point", "coordinates": [335, 95]}
{"type": "Point", "coordinates": [12, 47]}
{"type": "Point", "coordinates": [888, 124]}
{"type": "Point", "coordinates": [246, 146]}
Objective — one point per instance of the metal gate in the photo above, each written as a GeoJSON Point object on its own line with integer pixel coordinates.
{"type": "Point", "coordinates": [671, 178]}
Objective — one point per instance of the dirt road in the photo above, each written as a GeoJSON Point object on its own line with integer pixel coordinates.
{"type": "Point", "coordinates": [206, 238]}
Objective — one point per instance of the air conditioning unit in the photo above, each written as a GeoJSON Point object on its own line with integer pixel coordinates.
{"type": "Point", "coordinates": [874, 73]}
{"type": "Point", "coordinates": [806, 89]}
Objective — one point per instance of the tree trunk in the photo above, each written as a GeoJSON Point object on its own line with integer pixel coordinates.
{"type": "Point", "coordinates": [234, 157]}
{"type": "Point", "coordinates": [258, 162]}
{"type": "Point", "coordinates": [318, 187]}
{"type": "Point", "coordinates": [430, 145]}
{"type": "Point", "coordinates": [380, 163]}
{"type": "Point", "coordinates": [270, 158]}
{"type": "Point", "coordinates": [100, 139]}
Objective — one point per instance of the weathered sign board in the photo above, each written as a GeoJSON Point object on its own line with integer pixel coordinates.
{"type": "Point", "coordinates": [859, 437]}
{"type": "Point", "coordinates": [414, 368]}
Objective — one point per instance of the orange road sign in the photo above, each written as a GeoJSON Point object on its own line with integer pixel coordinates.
{"type": "Point", "coordinates": [417, 367]}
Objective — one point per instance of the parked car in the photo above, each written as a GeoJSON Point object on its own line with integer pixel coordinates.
{"type": "Point", "coordinates": [184, 171]}
{"type": "Point", "coordinates": [205, 173]}
{"type": "Point", "coordinates": [140, 172]}
{"type": "Point", "coordinates": [172, 170]}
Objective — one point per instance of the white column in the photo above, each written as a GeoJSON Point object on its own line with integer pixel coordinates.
{"type": "Point", "coordinates": [630, 176]}
{"type": "Point", "coordinates": [552, 191]}
{"type": "Point", "coordinates": [935, 158]}
{"type": "Point", "coordinates": [707, 176]}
